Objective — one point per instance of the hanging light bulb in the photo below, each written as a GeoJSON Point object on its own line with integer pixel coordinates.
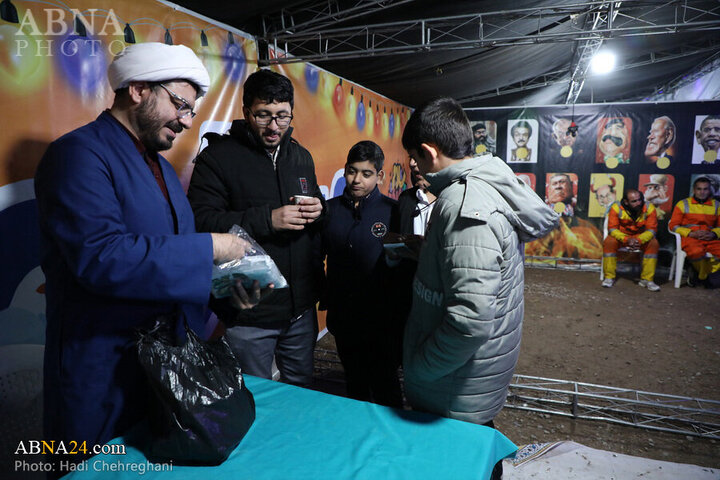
{"type": "Point", "coordinates": [168, 37]}
{"type": "Point", "coordinates": [203, 39]}
{"type": "Point", "coordinates": [603, 62]}
{"type": "Point", "coordinates": [231, 39]}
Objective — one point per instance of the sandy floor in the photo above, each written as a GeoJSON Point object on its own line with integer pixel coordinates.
{"type": "Point", "coordinates": [624, 337]}
{"type": "Point", "coordinates": [665, 342]}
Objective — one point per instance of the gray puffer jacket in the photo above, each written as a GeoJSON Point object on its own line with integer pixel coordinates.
{"type": "Point", "coordinates": [462, 338]}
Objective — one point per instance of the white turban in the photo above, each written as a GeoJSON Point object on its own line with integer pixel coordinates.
{"type": "Point", "coordinates": [157, 62]}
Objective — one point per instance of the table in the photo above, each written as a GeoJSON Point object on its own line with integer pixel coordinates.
{"type": "Point", "coordinates": [304, 434]}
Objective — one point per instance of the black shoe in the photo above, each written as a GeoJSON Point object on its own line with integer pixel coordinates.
{"type": "Point", "coordinates": [713, 280]}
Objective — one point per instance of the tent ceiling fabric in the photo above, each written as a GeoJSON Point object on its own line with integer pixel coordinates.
{"type": "Point", "coordinates": [680, 37]}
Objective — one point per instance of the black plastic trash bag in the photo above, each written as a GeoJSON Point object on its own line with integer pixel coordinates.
{"type": "Point", "coordinates": [202, 408]}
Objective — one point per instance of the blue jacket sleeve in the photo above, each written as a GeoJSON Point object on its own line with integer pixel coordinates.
{"type": "Point", "coordinates": [112, 233]}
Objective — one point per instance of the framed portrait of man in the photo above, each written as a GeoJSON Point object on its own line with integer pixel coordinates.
{"type": "Point", "coordinates": [707, 140]}
{"type": "Point", "coordinates": [605, 189]}
{"type": "Point", "coordinates": [484, 136]}
{"type": "Point", "coordinates": [660, 142]}
{"type": "Point", "coordinates": [613, 141]}
{"type": "Point", "coordinates": [522, 142]}
{"type": "Point", "coordinates": [561, 192]}
{"type": "Point", "coordinates": [658, 190]}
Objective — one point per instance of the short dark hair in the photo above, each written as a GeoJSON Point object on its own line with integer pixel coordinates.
{"type": "Point", "coordinates": [366, 150]}
{"type": "Point", "coordinates": [443, 123]}
{"type": "Point", "coordinates": [702, 179]}
{"type": "Point", "coordinates": [632, 190]}
{"type": "Point", "coordinates": [479, 126]}
{"type": "Point", "coordinates": [521, 124]}
{"type": "Point", "coordinates": [269, 87]}
{"type": "Point", "coordinates": [709, 117]}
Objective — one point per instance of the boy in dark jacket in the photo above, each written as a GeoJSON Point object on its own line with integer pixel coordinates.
{"type": "Point", "coordinates": [356, 297]}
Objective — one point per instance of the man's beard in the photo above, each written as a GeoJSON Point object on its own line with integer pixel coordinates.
{"type": "Point", "coordinates": [150, 125]}
{"type": "Point", "coordinates": [634, 212]}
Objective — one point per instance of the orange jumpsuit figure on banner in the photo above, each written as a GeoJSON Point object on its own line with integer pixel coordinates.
{"type": "Point", "coordinates": [632, 223]}
{"type": "Point", "coordinates": [696, 219]}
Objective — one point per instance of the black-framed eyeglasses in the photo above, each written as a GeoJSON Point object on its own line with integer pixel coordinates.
{"type": "Point", "coordinates": [263, 119]}
{"type": "Point", "coordinates": [184, 109]}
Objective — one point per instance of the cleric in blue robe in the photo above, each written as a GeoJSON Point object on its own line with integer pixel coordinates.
{"type": "Point", "coordinates": [118, 245]}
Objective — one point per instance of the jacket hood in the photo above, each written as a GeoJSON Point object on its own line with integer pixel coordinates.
{"type": "Point", "coordinates": [491, 186]}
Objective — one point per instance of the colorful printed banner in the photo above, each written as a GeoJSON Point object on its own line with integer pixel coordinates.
{"type": "Point", "coordinates": [53, 64]}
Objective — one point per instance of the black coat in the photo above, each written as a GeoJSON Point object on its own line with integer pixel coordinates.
{"type": "Point", "coordinates": [234, 182]}
{"type": "Point", "coordinates": [358, 286]}
{"type": "Point", "coordinates": [403, 222]}
{"type": "Point", "coordinates": [406, 212]}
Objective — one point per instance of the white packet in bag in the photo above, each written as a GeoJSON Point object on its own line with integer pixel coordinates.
{"type": "Point", "coordinates": [255, 265]}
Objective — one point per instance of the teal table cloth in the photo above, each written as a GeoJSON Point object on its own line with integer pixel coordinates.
{"type": "Point", "coordinates": [304, 434]}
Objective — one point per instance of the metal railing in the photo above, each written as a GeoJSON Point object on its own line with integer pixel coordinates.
{"type": "Point", "coordinates": [654, 411]}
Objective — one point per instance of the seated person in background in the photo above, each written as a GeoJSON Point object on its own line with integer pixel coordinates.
{"type": "Point", "coordinates": [632, 223]}
{"type": "Point", "coordinates": [696, 219]}
{"type": "Point", "coordinates": [356, 297]}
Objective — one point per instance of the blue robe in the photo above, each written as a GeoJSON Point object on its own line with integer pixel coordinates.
{"type": "Point", "coordinates": [112, 263]}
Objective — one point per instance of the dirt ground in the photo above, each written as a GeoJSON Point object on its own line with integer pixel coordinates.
{"type": "Point", "coordinates": [627, 337]}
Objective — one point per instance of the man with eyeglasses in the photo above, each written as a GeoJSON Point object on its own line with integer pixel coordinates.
{"type": "Point", "coordinates": [259, 177]}
{"type": "Point", "coordinates": [119, 247]}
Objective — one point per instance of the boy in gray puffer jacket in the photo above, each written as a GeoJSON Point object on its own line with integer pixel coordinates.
{"type": "Point", "coordinates": [462, 338]}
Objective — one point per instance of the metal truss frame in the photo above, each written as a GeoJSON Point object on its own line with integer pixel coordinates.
{"type": "Point", "coordinates": [562, 76]}
{"type": "Point", "coordinates": [316, 15]}
{"type": "Point", "coordinates": [586, 50]}
{"type": "Point", "coordinates": [493, 29]}
{"type": "Point", "coordinates": [653, 411]}
{"type": "Point", "coordinates": [712, 63]}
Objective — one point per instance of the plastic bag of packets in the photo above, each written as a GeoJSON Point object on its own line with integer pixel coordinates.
{"type": "Point", "coordinates": [255, 265]}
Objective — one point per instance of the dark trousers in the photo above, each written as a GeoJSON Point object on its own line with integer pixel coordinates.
{"type": "Point", "coordinates": [371, 366]}
{"type": "Point", "coordinates": [291, 345]}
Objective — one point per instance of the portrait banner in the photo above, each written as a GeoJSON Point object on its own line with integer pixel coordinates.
{"type": "Point", "coordinates": [583, 158]}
